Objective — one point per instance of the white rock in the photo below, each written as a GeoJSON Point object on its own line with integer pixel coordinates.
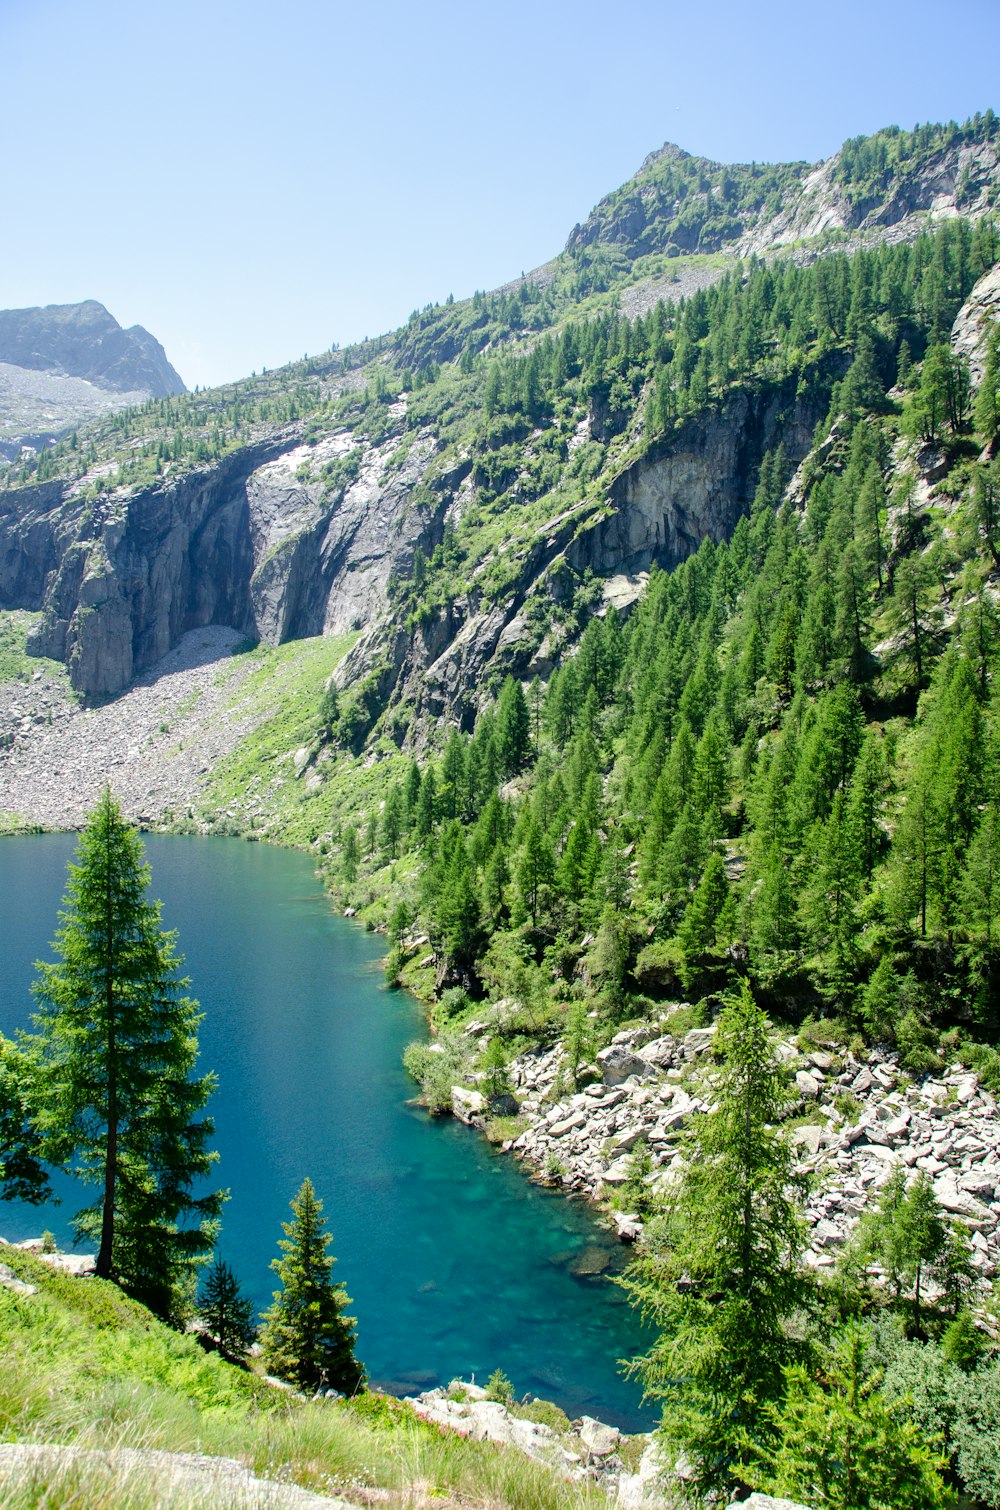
{"type": "Point", "coordinates": [467, 1104]}
{"type": "Point", "coordinates": [808, 1085]}
{"type": "Point", "coordinates": [599, 1440]}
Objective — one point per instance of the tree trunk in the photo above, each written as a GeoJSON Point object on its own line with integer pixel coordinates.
{"type": "Point", "coordinates": [103, 1266]}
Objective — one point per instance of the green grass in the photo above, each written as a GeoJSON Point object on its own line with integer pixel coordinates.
{"type": "Point", "coordinates": [256, 790]}
{"type": "Point", "coordinates": [16, 665]}
{"type": "Point", "coordinates": [16, 823]}
{"type": "Point", "coordinates": [82, 1364]}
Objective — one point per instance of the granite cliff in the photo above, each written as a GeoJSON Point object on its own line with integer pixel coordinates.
{"type": "Point", "coordinates": [305, 523]}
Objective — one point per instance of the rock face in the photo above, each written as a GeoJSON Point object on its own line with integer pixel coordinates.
{"type": "Point", "coordinates": [259, 543]}
{"type": "Point", "coordinates": [661, 508]}
{"type": "Point", "coordinates": [254, 542]}
{"type": "Point", "coordinates": [85, 341]}
{"type": "Point", "coordinates": [974, 320]}
{"type": "Point", "coordinates": [696, 485]}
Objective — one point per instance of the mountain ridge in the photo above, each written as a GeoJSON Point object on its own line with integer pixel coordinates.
{"type": "Point", "coordinates": [100, 604]}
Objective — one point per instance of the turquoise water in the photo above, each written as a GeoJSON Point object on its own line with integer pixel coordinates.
{"type": "Point", "coordinates": [455, 1263]}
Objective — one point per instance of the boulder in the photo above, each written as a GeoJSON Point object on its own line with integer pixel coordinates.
{"type": "Point", "coordinates": [810, 1139]}
{"type": "Point", "coordinates": [808, 1085]}
{"type": "Point", "coordinates": [617, 1064]}
{"type": "Point", "coordinates": [76, 1264]}
{"type": "Point", "coordinates": [627, 1225]}
{"type": "Point", "coordinates": [599, 1440]}
{"type": "Point", "coordinates": [698, 1040]}
{"type": "Point", "coordinates": [10, 1281]}
{"type": "Point", "coordinates": [962, 1203]}
{"type": "Point", "coordinates": [766, 1502]}
{"type": "Point", "coordinates": [467, 1105]}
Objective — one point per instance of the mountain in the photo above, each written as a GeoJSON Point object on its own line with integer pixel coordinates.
{"type": "Point", "coordinates": [66, 364]}
{"type": "Point", "coordinates": [623, 642]}
{"type": "Point", "coordinates": [283, 506]}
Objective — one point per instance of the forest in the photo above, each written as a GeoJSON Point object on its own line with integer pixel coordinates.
{"type": "Point", "coordinates": [782, 763]}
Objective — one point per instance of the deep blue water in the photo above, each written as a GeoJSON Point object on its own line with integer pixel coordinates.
{"type": "Point", "coordinates": [455, 1263]}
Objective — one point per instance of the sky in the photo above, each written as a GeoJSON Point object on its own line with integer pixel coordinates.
{"type": "Point", "coordinates": [253, 181]}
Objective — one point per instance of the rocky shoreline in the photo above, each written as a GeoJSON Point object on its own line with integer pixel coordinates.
{"type": "Point", "coordinates": [851, 1123]}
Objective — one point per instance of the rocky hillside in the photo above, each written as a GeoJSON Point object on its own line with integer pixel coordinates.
{"type": "Point", "coordinates": [292, 504]}
{"type": "Point", "coordinates": [890, 182]}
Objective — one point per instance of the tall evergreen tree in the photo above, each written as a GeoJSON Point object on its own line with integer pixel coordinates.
{"type": "Point", "coordinates": [512, 730]}
{"type": "Point", "coordinates": [225, 1310]}
{"type": "Point", "coordinates": [719, 1271]}
{"type": "Point", "coordinates": [115, 1049]}
{"type": "Point", "coordinates": [306, 1337]}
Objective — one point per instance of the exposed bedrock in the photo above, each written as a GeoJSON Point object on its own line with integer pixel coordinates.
{"type": "Point", "coordinates": [259, 542]}
{"type": "Point", "coordinates": [284, 539]}
{"type": "Point", "coordinates": [697, 484]}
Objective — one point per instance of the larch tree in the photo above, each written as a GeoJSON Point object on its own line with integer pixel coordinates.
{"type": "Point", "coordinates": [719, 1270]}
{"type": "Point", "coordinates": [114, 1052]}
{"type": "Point", "coordinates": [839, 1443]}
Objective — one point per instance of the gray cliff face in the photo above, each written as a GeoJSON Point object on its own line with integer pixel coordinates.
{"type": "Point", "coordinates": [697, 485]}
{"type": "Point", "coordinates": [956, 180]}
{"type": "Point", "coordinates": [978, 315]}
{"type": "Point", "coordinates": [255, 542]}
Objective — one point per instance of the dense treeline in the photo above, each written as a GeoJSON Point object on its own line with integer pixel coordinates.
{"type": "Point", "coordinates": [784, 763]}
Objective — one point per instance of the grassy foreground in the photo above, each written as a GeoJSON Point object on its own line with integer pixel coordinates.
{"type": "Point", "coordinates": [82, 1364]}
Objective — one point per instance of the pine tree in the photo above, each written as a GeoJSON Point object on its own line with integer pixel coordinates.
{"type": "Point", "coordinates": [512, 730]}
{"type": "Point", "coordinates": [987, 407]}
{"type": "Point", "coordinates": [719, 1270]}
{"type": "Point", "coordinates": [535, 871]}
{"type": "Point", "coordinates": [904, 1235]}
{"type": "Point", "coordinates": [226, 1312]}
{"type": "Point", "coordinates": [306, 1337]}
{"type": "Point", "coordinates": [576, 1041]}
{"type": "Point", "coordinates": [115, 1048]}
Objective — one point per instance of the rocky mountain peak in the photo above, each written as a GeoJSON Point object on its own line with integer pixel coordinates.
{"type": "Point", "coordinates": [85, 341]}
{"type": "Point", "coordinates": [668, 153]}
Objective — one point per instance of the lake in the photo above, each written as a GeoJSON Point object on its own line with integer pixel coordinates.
{"type": "Point", "coordinates": [456, 1264]}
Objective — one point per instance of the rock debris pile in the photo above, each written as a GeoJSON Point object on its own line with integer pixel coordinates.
{"type": "Point", "coordinates": [853, 1124]}
{"type": "Point", "coordinates": [588, 1449]}
{"type": "Point", "coordinates": [155, 744]}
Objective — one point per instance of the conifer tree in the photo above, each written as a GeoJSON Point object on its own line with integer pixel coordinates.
{"type": "Point", "coordinates": [839, 1443]}
{"type": "Point", "coordinates": [225, 1310]}
{"type": "Point", "coordinates": [22, 1175]}
{"type": "Point", "coordinates": [719, 1270]}
{"type": "Point", "coordinates": [115, 1048]}
{"type": "Point", "coordinates": [987, 407]}
{"type": "Point", "coordinates": [306, 1336]}
{"type": "Point", "coordinates": [512, 730]}
{"type": "Point", "coordinates": [905, 1234]}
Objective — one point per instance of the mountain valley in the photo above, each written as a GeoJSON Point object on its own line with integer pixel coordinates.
{"type": "Point", "coordinates": [623, 645]}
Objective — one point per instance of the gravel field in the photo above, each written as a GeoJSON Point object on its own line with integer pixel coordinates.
{"type": "Point", "coordinates": [156, 744]}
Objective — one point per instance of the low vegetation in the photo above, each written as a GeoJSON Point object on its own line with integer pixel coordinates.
{"type": "Point", "coordinates": [82, 1364]}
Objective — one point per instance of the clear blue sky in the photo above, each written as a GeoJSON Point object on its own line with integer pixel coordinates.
{"type": "Point", "coordinates": [254, 180]}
